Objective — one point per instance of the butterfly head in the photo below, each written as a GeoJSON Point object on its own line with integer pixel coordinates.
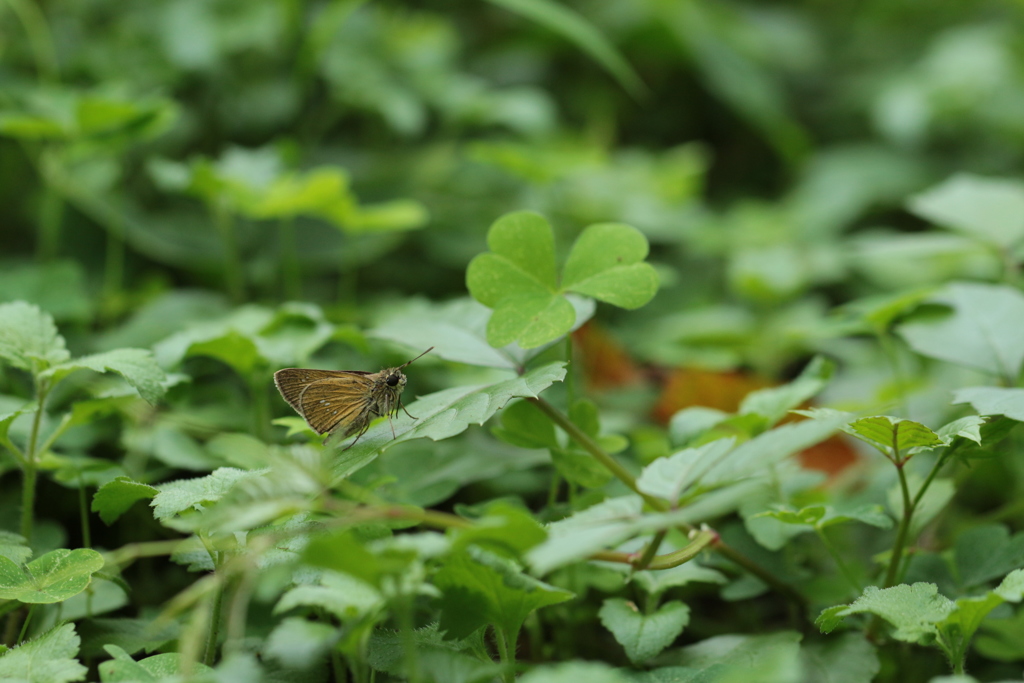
{"type": "Point", "coordinates": [395, 379]}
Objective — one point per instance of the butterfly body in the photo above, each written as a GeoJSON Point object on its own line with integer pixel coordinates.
{"type": "Point", "coordinates": [344, 401]}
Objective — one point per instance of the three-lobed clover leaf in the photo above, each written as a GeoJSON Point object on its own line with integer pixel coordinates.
{"type": "Point", "coordinates": [518, 278]}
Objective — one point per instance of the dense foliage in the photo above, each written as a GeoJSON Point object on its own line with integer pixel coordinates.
{"type": "Point", "coordinates": [727, 326]}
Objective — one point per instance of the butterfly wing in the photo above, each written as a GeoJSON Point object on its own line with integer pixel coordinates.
{"type": "Point", "coordinates": [337, 403]}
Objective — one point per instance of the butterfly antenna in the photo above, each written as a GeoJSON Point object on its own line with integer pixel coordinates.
{"type": "Point", "coordinates": [416, 358]}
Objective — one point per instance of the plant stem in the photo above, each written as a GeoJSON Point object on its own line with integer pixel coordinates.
{"type": "Point", "coordinates": [404, 614]}
{"type": "Point", "coordinates": [210, 655]}
{"type": "Point", "coordinates": [508, 663]}
{"type": "Point", "coordinates": [651, 550]}
{"type": "Point", "coordinates": [896, 558]}
{"type": "Point", "coordinates": [83, 512]}
{"type": "Point", "coordinates": [24, 625]}
{"type": "Point", "coordinates": [28, 491]}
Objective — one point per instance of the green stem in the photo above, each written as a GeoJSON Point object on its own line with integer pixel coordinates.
{"type": "Point", "coordinates": [507, 659]}
{"type": "Point", "coordinates": [896, 558]}
{"type": "Point", "coordinates": [210, 655]}
{"type": "Point", "coordinates": [651, 550]}
{"type": "Point", "coordinates": [404, 614]}
{"type": "Point", "coordinates": [24, 625]}
{"type": "Point", "coordinates": [83, 512]}
{"type": "Point", "coordinates": [28, 491]}
{"type": "Point", "coordinates": [591, 446]}
{"type": "Point", "coordinates": [234, 281]}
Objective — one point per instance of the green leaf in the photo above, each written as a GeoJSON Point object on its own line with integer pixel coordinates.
{"type": "Point", "coordinates": [115, 497]}
{"type": "Point", "coordinates": [232, 348]}
{"type": "Point", "coordinates": [888, 433]}
{"type": "Point", "coordinates": [438, 659]}
{"type": "Point", "coordinates": [657, 582]}
{"type": "Point", "coordinates": [733, 658]}
{"type": "Point", "coordinates": [57, 287]}
{"type": "Point", "coordinates": [49, 658]}
{"type": "Point", "coordinates": [580, 468]}
{"type": "Point", "coordinates": [574, 672]}
{"type": "Point", "coordinates": [606, 263]}
{"type": "Point", "coordinates": [14, 547]}
{"type": "Point", "coordinates": [137, 366]}
{"type": "Point", "coordinates": [643, 635]}
{"type": "Point", "coordinates": [843, 658]}
{"type": "Point", "coordinates": [54, 577]}
{"type": "Point", "coordinates": [28, 337]}
{"type": "Point", "coordinates": [668, 478]}
{"type": "Point", "coordinates": [988, 209]}
{"type": "Point", "coordinates": [123, 669]}
{"type": "Point", "coordinates": [984, 331]}
{"type": "Point", "coordinates": [821, 516]}
{"type": "Point", "coordinates": [444, 414]}
{"type": "Point", "coordinates": [481, 588]}
{"type": "Point", "coordinates": [914, 610]}
{"type": "Point", "coordinates": [531, 320]}
{"type": "Point", "coordinates": [183, 495]}
{"type": "Point", "coordinates": [503, 528]}
{"type": "Point", "coordinates": [524, 425]}
{"type": "Point", "coordinates": [603, 525]}
{"type": "Point", "coordinates": [983, 553]}
{"type": "Point", "coordinates": [298, 643]}
{"type": "Point", "coordinates": [133, 635]}
{"type": "Point", "coordinates": [343, 595]}
{"type": "Point", "coordinates": [576, 29]}
{"type": "Point", "coordinates": [522, 260]}
{"type": "Point", "coordinates": [993, 400]}
{"type": "Point", "coordinates": [775, 402]}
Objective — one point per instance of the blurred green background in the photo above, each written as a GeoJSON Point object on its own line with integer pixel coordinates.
{"type": "Point", "coordinates": [353, 154]}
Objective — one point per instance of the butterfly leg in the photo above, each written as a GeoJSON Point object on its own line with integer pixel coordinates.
{"type": "Point", "coordinates": [358, 436]}
{"type": "Point", "coordinates": [400, 405]}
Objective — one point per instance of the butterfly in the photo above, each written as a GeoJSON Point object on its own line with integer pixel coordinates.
{"type": "Point", "coordinates": [345, 401]}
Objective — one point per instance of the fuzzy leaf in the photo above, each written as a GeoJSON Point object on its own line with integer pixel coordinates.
{"type": "Point", "coordinates": [885, 433]}
{"type": "Point", "coordinates": [50, 658]}
{"type": "Point", "coordinates": [842, 658]}
{"type": "Point", "coordinates": [115, 497]}
{"type": "Point", "coordinates": [481, 588]}
{"type": "Point", "coordinates": [914, 610]}
{"type": "Point", "coordinates": [28, 337]}
{"type": "Point", "coordinates": [987, 209]}
{"type": "Point", "coordinates": [993, 401]}
{"type": "Point", "coordinates": [343, 595]}
{"type": "Point", "coordinates": [643, 635]}
{"type": "Point", "coordinates": [775, 402]}
{"type": "Point", "coordinates": [176, 497]}
{"type": "Point", "coordinates": [137, 366]}
{"type": "Point", "coordinates": [984, 331]}
{"type": "Point", "coordinates": [444, 414]}
{"type": "Point", "coordinates": [668, 478]}
{"type": "Point", "coordinates": [54, 577]}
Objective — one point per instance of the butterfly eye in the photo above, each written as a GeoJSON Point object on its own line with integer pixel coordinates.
{"type": "Point", "coordinates": [392, 380]}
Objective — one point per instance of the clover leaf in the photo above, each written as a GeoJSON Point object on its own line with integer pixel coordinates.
{"type": "Point", "coordinates": [518, 277]}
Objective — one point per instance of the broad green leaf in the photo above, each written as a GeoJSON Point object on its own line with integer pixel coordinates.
{"type": "Point", "coordinates": [988, 209]}
{"type": "Point", "coordinates": [993, 400]}
{"type": "Point", "coordinates": [580, 468]}
{"type": "Point", "coordinates": [28, 337]}
{"type": "Point", "coordinates": [775, 402]}
{"type": "Point", "coordinates": [891, 434]}
{"type": "Point", "coordinates": [643, 635]}
{"type": "Point", "coordinates": [234, 349]}
{"type": "Point", "coordinates": [574, 672]}
{"type": "Point", "coordinates": [821, 516]}
{"type": "Point", "coordinates": [606, 262]}
{"type": "Point", "coordinates": [604, 525]}
{"type": "Point", "coordinates": [984, 331]}
{"type": "Point", "coordinates": [657, 582]}
{"type": "Point", "coordinates": [137, 366]}
{"type": "Point", "coordinates": [503, 528]}
{"type": "Point", "coordinates": [439, 658]}
{"type": "Point", "coordinates": [57, 287]}
{"type": "Point", "coordinates": [575, 28]}
{"type": "Point", "coordinates": [298, 643]}
{"type": "Point", "coordinates": [690, 423]}
{"type": "Point", "coordinates": [49, 658]}
{"type": "Point", "coordinates": [734, 658]}
{"type": "Point", "coordinates": [524, 425]}
{"type": "Point", "coordinates": [481, 588]}
{"type": "Point", "coordinates": [530, 320]}
{"type": "Point", "coordinates": [914, 611]}
{"type": "Point", "coordinates": [966, 428]}
{"type": "Point", "coordinates": [133, 635]}
{"type": "Point", "coordinates": [123, 669]}
{"type": "Point", "coordinates": [54, 577]}
{"type": "Point", "coordinates": [114, 498]}
{"type": "Point", "coordinates": [184, 495]}
{"type": "Point", "coordinates": [842, 658]}
{"type": "Point", "coordinates": [668, 478]}
{"type": "Point", "coordinates": [346, 552]}
{"type": "Point", "coordinates": [879, 312]}
{"type": "Point", "coordinates": [522, 260]}
{"type": "Point", "coordinates": [343, 595]}
{"type": "Point", "coordinates": [983, 553]}
{"type": "Point", "coordinates": [14, 547]}
{"type": "Point", "coordinates": [382, 217]}
{"type": "Point", "coordinates": [444, 414]}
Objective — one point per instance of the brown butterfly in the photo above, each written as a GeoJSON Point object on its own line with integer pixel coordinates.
{"type": "Point", "coordinates": [345, 401]}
